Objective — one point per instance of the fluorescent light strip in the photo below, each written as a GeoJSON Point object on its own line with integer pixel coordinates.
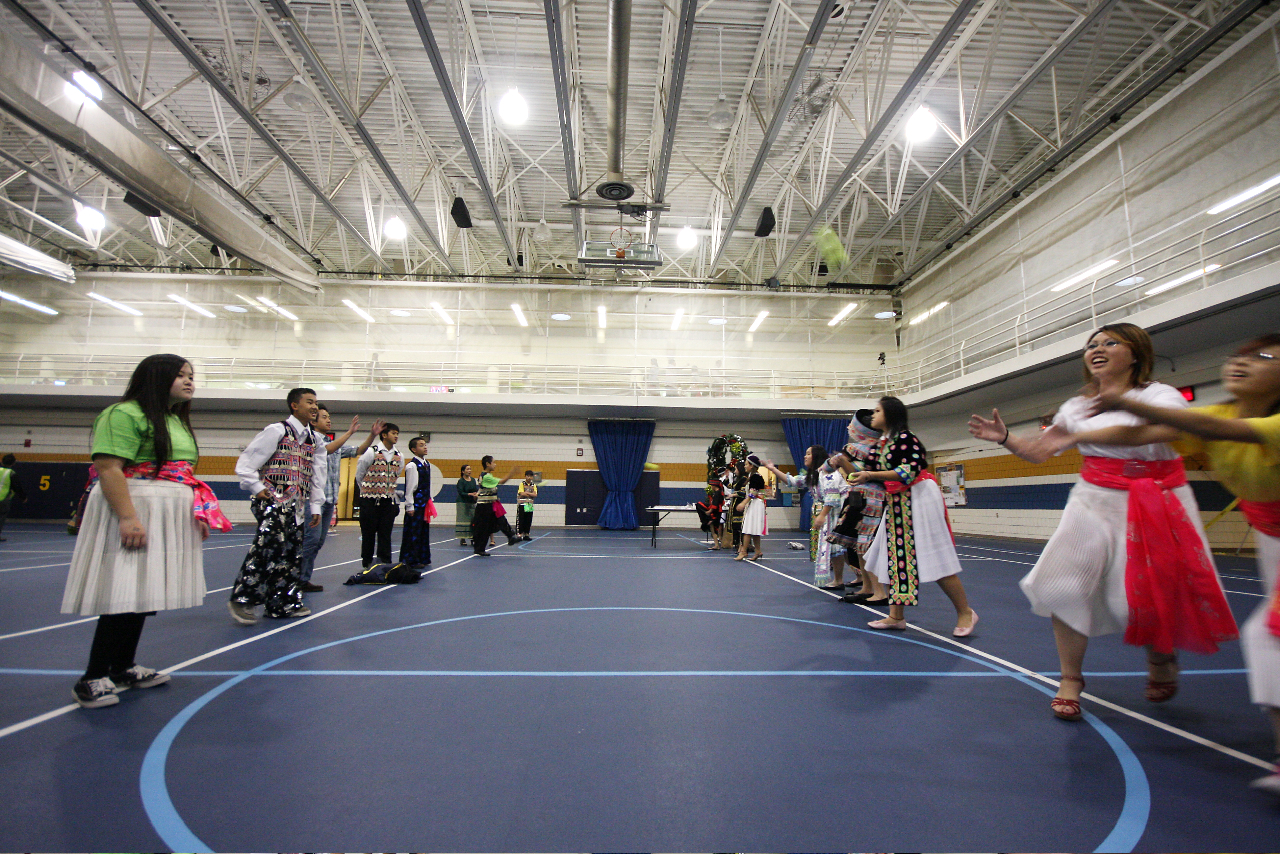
{"type": "Point", "coordinates": [925, 315]}
{"type": "Point", "coordinates": [600, 314]}
{"type": "Point", "coordinates": [28, 303]}
{"type": "Point", "coordinates": [1085, 276]}
{"type": "Point", "coordinates": [1245, 196]}
{"type": "Point", "coordinates": [844, 312]}
{"type": "Point", "coordinates": [1181, 280]}
{"type": "Point", "coordinates": [268, 303]}
{"type": "Point", "coordinates": [252, 303]}
{"type": "Point", "coordinates": [23, 257]}
{"type": "Point", "coordinates": [759, 320]}
{"type": "Point", "coordinates": [181, 300]}
{"type": "Point", "coordinates": [520, 318]}
{"type": "Point", "coordinates": [118, 306]}
{"type": "Point", "coordinates": [675, 321]}
{"type": "Point", "coordinates": [366, 316]}
{"type": "Point", "coordinates": [284, 312]}
{"type": "Point", "coordinates": [444, 315]}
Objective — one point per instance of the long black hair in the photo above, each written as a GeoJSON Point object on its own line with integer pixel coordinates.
{"type": "Point", "coordinates": [149, 388]}
{"type": "Point", "coordinates": [817, 452]}
{"type": "Point", "coordinates": [895, 416]}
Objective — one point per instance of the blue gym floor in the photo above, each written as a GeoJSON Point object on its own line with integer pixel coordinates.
{"type": "Point", "coordinates": [585, 692]}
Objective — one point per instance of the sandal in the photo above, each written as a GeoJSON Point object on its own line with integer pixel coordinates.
{"type": "Point", "coordinates": [1158, 691]}
{"type": "Point", "coordinates": [1067, 710]}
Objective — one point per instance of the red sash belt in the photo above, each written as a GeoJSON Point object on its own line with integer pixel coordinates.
{"type": "Point", "coordinates": [1265, 517]}
{"type": "Point", "coordinates": [205, 504]}
{"type": "Point", "coordinates": [895, 487]}
{"type": "Point", "coordinates": [1174, 596]}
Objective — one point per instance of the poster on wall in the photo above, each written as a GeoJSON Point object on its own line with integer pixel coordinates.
{"type": "Point", "coordinates": [951, 482]}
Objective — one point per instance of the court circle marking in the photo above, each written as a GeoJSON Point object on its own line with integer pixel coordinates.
{"type": "Point", "coordinates": [165, 819]}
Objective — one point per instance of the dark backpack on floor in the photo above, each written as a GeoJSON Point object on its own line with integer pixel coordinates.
{"type": "Point", "coordinates": [382, 573]}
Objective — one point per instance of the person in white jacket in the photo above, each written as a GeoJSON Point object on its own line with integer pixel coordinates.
{"type": "Point", "coordinates": [282, 471]}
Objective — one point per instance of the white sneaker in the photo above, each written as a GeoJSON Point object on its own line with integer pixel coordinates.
{"type": "Point", "coordinates": [95, 693]}
{"type": "Point", "coordinates": [1269, 783]}
{"type": "Point", "coordinates": [242, 613]}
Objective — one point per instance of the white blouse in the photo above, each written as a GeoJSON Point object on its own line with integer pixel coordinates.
{"type": "Point", "coordinates": [1072, 416]}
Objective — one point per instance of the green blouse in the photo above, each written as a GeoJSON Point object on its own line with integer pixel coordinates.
{"type": "Point", "coordinates": [121, 430]}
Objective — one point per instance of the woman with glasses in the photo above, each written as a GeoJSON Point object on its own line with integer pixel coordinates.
{"type": "Point", "coordinates": [1242, 440]}
{"type": "Point", "coordinates": [1130, 554]}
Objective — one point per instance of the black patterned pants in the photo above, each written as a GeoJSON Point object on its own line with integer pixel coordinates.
{"type": "Point", "coordinates": [415, 548]}
{"type": "Point", "coordinates": [271, 572]}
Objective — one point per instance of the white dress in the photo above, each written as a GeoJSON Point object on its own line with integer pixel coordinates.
{"type": "Point", "coordinates": [935, 549]}
{"type": "Point", "coordinates": [1080, 576]}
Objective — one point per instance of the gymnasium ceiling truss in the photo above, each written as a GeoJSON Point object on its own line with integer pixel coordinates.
{"type": "Point", "coordinates": [290, 133]}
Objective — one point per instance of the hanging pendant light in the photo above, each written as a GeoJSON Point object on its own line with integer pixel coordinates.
{"type": "Point", "coordinates": [542, 231]}
{"type": "Point", "coordinates": [721, 115]}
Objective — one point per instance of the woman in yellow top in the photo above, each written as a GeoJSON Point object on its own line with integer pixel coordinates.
{"type": "Point", "coordinates": [1242, 440]}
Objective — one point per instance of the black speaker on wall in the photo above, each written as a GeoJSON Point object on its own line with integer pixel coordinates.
{"type": "Point", "coordinates": [141, 206]}
{"type": "Point", "coordinates": [461, 216]}
{"type": "Point", "coordinates": [765, 226]}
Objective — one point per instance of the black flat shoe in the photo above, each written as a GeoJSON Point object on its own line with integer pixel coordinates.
{"type": "Point", "coordinates": [857, 598]}
{"type": "Point", "coordinates": [884, 601]}
{"type": "Point", "coordinates": [832, 587]}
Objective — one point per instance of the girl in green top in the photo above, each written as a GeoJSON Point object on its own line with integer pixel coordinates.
{"type": "Point", "coordinates": [138, 550]}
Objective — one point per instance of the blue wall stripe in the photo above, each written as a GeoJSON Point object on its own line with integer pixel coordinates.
{"type": "Point", "coordinates": [1210, 495]}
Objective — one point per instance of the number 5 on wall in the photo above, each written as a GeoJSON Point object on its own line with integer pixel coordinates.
{"type": "Point", "coordinates": [44, 483]}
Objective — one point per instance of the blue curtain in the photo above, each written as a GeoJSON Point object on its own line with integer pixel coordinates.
{"type": "Point", "coordinates": [802, 433]}
{"type": "Point", "coordinates": [621, 448]}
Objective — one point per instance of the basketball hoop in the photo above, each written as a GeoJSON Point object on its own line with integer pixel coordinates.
{"type": "Point", "coordinates": [621, 240]}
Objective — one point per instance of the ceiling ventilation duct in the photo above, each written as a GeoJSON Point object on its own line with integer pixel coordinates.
{"type": "Point", "coordinates": [23, 257]}
{"type": "Point", "coordinates": [615, 188]}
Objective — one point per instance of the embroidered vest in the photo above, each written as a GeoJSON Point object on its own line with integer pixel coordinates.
{"type": "Point", "coordinates": [422, 491]}
{"type": "Point", "coordinates": [288, 472]}
{"type": "Point", "coordinates": [379, 479]}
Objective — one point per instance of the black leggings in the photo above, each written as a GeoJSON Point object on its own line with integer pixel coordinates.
{"type": "Point", "coordinates": [115, 643]}
{"type": "Point", "coordinates": [484, 523]}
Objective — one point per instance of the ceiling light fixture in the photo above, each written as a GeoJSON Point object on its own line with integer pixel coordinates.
{"type": "Point", "coordinates": [513, 109]}
{"type": "Point", "coordinates": [286, 314]}
{"type": "Point", "coordinates": [886, 315]}
{"type": "Point", "coordinates": [394, 229]}
{"type": "Point", "coordinates": [520, 318]}
{"type": "Point", "coordinates": [1248, 194]}
{"type": "Point", "coordinates": [1085, 276]}
{"type": "Point", "coordinates": [717, 321]}
{"type": "Point", "coordinates": [675, 321]}
{"type": "Point", "coordinates": [23, 257]}
{"type": "Point", "coordinates": [81, 86]}
{"type": "Point", "coordinates": [444, 315]}
{"type": "Point", "coordinates": [91, 219]}
{"type": "Point", "coordinates": [238, 309]}
{"type": "Point", "coordinates": [759, 320]}
{"type": "Point", "coordinates": [398, 312]}
{"type": "Point", "coordinates": [600, 316]}
{"type": "Point", "coordinates": [1132, 280]}
{"type": "Point", "coordinates": [118, 306]}
{"type": "Point", "coordinates": [1181, 280]}
{"type": "Point", "coordinates": [686, 239]}
{"type": "Point", "coordinates": [252, 304]}
{"type": "Point", "coordinates": [181, 300]}
{"type": "Point", "coordinates": [921, 125]}
{"type": "Point", "coordinates": [267, 302]}
{"type": "Point", "coordinates": [842, 314]}
{"type": "Point", "coordinates": [721, 116]}
{"type": "Point", "coordinates": [561, 316]}
{"type": "Point", "coordinates": [43, 309]}
{"type": "Point", "coordinates": [542, 231]}
{"type": "Point", "coordinates": [364, 315]}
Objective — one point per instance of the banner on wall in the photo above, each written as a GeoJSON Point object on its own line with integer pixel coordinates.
{"type": "Point", "coordinates": [951, 482]}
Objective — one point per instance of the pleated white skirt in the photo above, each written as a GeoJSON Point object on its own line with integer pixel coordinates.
{"type": "Point", "coordinates": [167, 574]}
{"type": "Point", "coordinates": [1261, 648]}
{"type": "Point", "coordinates": [935, 549]}
{"type": "Point", "coordinates": [755, 520]}
{"type": "Point", "coordinates": [1079, 577]}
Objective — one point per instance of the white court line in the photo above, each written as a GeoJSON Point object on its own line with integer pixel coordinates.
{"type": "Point", "coordinates": [1138, 716]}
{"type": "Point", "coordinates": [68, 563]}
{"type": "Point", "coordinates": [289, 624]}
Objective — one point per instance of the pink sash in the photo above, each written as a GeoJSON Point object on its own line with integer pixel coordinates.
{"type": "Point", "coordinates": [1174, 596]}
{"type": "Point", "coordinates": [1265, 517]}
{"type": "Point", "coordinates": [205, 504]}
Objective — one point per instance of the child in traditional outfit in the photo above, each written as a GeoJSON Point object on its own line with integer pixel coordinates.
{"type": "Point", "coordinates": [415, 548]}
{"type": "Point", "coordinates": [525, 497]}
{"type": "Point", "coordinates": [138, 550]}
{"type": "Point", "coordinates": [377, 471]}
{"type": "Point", "coordinates": [280, 470]}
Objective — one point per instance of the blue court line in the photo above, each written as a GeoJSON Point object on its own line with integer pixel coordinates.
{"type": "Point", "coordinates": [173, 830]}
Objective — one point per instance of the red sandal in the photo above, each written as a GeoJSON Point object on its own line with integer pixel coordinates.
{"type": "Point", "coordinates": [1162, 692]}
{"type": "Point", "coordinates": [1067, 710]}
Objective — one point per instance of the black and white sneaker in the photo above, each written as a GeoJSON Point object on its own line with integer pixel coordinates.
{"type": "Point", "coordinates": [138, 677]}
{"type": "Point", "coordinates": [95, 693]}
